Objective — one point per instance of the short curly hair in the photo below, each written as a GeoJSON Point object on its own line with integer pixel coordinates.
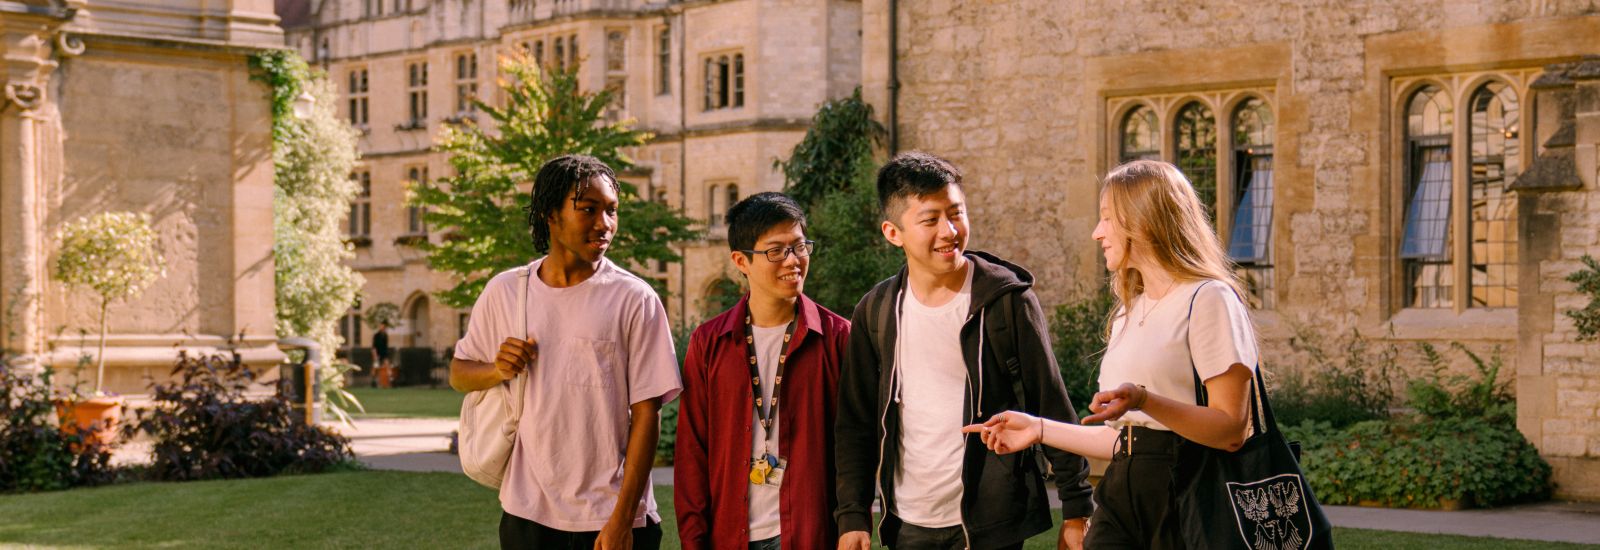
{"type": "Point", "coordinates": [912, 174]}
{"type": "Point", "coordinates": [557, 179]}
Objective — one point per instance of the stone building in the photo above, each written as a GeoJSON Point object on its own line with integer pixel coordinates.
{"type": "Point", "coordinates": [143, 106]}
{"type": "Point", "coordinates": [725, 86]}
{"type": "Point", "coordinates": [1370, 165]}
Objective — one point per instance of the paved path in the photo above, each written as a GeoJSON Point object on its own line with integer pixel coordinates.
{"type": "Point", "coordinates": [420, 445]}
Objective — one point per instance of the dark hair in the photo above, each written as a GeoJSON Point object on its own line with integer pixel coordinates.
{"type": "Point", "coordinates": [757, 214]}
{"type": "Point", "coordinates": [913, 173]}
{"type": "Point", "coordinates": [561, 176]}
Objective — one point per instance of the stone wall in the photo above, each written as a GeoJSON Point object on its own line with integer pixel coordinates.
{"type": "Point", "coordinates": [1025, 97]}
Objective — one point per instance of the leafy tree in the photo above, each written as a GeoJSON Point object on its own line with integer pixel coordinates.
{"type": "Point", "coordinates": [832, 174]}
{"type": "Point", "coordinates": [481, 209]}
{"type": "Point", "coordinates": [312, 158]}
{"type": "Point", "coordinates": [114, 254]}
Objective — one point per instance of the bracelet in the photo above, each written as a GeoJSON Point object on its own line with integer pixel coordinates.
{"type": "Point", "coordinates": [1144, 395]}
{"type": "Point", "coordinates": [1041, 431]}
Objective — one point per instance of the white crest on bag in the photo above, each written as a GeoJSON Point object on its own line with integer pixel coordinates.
{"type": "Point", "coordinates": [1271, 513]}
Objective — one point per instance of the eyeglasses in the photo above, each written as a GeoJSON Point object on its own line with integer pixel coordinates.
{"type": "Point", "coordinates": [780, 253]}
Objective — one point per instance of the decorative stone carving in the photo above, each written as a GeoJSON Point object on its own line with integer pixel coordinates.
{"type": "Point", "coordinates": [69, 45]}
{"type": "Point", "coordinates": [26, 95]}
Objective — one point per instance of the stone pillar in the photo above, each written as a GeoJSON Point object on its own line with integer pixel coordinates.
{"type": "Point", "coordinates": [28, 136]}
{"type": "Point", "coordinates": [1558, 376]}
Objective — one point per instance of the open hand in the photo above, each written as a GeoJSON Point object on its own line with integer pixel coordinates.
{"type": "Point", "coordinates": [515, 357]}
{"type": "Point", "coordinates": [1113, 403]}
{"type": "Point", "coordinates": [1008, 432]}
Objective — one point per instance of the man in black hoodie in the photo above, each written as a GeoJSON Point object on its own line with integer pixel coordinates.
{"type": "Point", "coordinates": [954, 326]}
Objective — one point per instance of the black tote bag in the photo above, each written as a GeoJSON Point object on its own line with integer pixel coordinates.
{"type": "Point", "coordinates": [1254, 498]}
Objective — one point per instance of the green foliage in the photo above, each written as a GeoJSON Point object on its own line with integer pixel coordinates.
{"type": "Point", "coordinates": [1588, 281]}
{"type": "Point", "coordinates": [312, 159]}
{"type": "Point", "coordinates": [1338, 388]}
{"type": "Point", "coordinates": [852, 254]}
{"type": "Point", "coordinates": [1421, 463]}
{"type": "Point", "coordinates": [831, 173]}
{"type": "Point", "coordinates": [1076, 330]}
{"type": "Point", "coordinates": [1442, 395]}
{"type": "Point", "coordinates": [35, 453]}
{"type": "Point", "coordinates": [116, 255]}
{"type": "Point", "coordinates": [204, 426]}
{"type": "Point", "coordinates": [480, 210]}
{"type": "Point", "coordinates": [666, 444]}
{"type": "Point", "coordinates": [827, 159]}
{"type": "Point", "coordinates": [724, 293]}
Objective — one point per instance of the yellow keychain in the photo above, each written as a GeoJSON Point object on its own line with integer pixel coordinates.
{"type": "Point", "coordinates": [758, 471]}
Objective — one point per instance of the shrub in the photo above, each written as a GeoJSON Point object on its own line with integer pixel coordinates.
{"type": "Point", "coordinates": [206, 427]}
{"type": "Point", "coordinates": [1443, 396]}
{"type": "Point", "coordinates": [1462, 445]}
{"type": "Point", "coordinates": [1587, 319]}
{"type": "Point", "coordinates": [35, 454]}
{"type": "Point", "coordinates": [1076, 334]}
{"type": "Point", "coordinates": [1341, 389]}
{"type": "Point", "coordinates": [666, 444]}
{"type": "Point", "coordinates": [1423, 464]}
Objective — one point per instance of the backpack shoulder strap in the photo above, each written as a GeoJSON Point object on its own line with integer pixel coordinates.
{"type": "Point", "coordinates": [518, 386]}
{"type": "Point", "coordinates": [1003, 340]}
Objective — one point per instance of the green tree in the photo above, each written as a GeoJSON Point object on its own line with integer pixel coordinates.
{"type": "Point", "coordinates": [832, 174]}
{"type": "Point", "coordinates": [312, 158]}
{"type": "Point", "coordinates": [114, 254]}
{"type": "Point", "coordinates": [481, 209]}
{"type": "Point", "coordinates": [1587, 318]}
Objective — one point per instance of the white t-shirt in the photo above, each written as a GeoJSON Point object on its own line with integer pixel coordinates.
{"type": "Point", "coordinates": [1157, 354]}
{"type": "Point", "coordinates": [765, 521]}
{"type": "Point", "coordinates": [604, 344]}
{"type": "Point", "coordinates": [933, 387]}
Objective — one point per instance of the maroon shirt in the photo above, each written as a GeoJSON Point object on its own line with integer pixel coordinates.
{"type": "Point", "coordinates": [711, 478]}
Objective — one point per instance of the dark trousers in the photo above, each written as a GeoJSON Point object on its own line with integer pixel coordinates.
{"type": "Point", "coordinates": [519, 533]}
{"type": "Point", "coordinates": [912, 537]}
{"type": "Point", "coordinates": [1134, 497]}
{"type": "Point", "coordinates": [774, 543]}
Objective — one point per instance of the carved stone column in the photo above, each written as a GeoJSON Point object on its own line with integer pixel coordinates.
{"type": "Point", "coordinates": [29, 141]}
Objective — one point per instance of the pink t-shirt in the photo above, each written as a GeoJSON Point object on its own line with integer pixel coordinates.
{"type": "Point", "coordinates": [604, 344]}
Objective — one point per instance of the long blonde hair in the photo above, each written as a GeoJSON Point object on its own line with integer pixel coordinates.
{"type": "Point", "coordinates": [1157, 210]}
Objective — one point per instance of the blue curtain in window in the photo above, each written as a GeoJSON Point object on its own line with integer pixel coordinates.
{"type": "Point", "coordinates": [1252, 219]}
{"type": "Point", "coordinates": [1427, 222]}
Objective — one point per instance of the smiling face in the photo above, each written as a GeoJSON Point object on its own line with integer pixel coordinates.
{"type": "Point", "coordinates": [1113, 240]}
{"type": "Point", "coordinates": [586, 223]}
{"type": "Point", "coordinates": [783, 280]}
{"type": "Point", "coordinates": [933, 230]}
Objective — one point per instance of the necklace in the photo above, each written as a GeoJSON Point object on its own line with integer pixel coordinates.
{"type": "Point", "coordinates": [1151, 307]}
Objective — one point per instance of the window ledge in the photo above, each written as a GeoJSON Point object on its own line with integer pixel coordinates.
{"type": "Point", "coordinates": [411, 126]}
{"type": "Point", "coordinates": [359, 242]}
{"type": "Point", "coordinates": [1446, 324]}
{"type": "Point", "coordinates": [413, 239]}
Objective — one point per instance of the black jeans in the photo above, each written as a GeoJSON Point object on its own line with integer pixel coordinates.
{"type": "Point", "coordinates": [520, 533]}
{"type": "Point", "coordinates": [1134, 499]}
{"type": "Point", "coordinates": [774, 543]}
{"type": "Point", "coordinates": [912, 537]}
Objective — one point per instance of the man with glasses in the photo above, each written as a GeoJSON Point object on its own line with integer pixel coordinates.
{"type": "Point", "coordinates": [754, 463]}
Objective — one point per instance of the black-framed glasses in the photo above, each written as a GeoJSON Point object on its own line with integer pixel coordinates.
{"type": "Point", "coordinates": [780, 253]}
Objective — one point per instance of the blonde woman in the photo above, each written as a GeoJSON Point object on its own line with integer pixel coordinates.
{"type": "Point", "coordinates": [1177, 315]}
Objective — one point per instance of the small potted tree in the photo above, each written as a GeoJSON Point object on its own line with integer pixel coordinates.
{"type": "Point", "coordinates": [114, 255]}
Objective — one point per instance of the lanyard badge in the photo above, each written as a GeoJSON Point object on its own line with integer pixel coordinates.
{"type": "Point", "coordinates": [768, 468]}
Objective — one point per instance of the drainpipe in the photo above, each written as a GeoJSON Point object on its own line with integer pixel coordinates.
{"type": "Point", "coordinates": [683, 153]}
{"type": "Point", "coordinates": [894, 77]}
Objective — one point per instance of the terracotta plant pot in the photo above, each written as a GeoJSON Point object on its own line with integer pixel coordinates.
{"type": "Point", "coordinates": [96, 417]}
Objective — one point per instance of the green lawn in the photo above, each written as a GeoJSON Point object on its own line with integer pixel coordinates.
{"type": "Point", "coordinates": [364, 510]}
{"type": "Point", "coordinates": [409, 402]}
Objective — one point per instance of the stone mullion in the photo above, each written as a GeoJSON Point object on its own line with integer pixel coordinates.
{"type": "Point", "coordinates": [27, 112]}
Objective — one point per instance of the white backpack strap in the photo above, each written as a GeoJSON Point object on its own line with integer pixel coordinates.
{"type": "Point", "coordinates": [519, 385]}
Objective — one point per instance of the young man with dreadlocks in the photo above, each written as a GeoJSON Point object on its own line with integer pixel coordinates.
{"type": "Point", "coordinates": [597, 351]}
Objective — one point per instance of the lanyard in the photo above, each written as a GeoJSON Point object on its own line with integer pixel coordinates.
{"type": "Point", "coordinates": [770, 414]}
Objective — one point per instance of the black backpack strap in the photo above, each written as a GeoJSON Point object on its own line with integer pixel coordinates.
{"type": "Point", "coordinates": [1001, 334]}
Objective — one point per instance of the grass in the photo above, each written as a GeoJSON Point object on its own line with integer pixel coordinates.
{"type": "Point", "coordinates": [408, 402]}
{"type": "Point", "coordinates": [371, 509]}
